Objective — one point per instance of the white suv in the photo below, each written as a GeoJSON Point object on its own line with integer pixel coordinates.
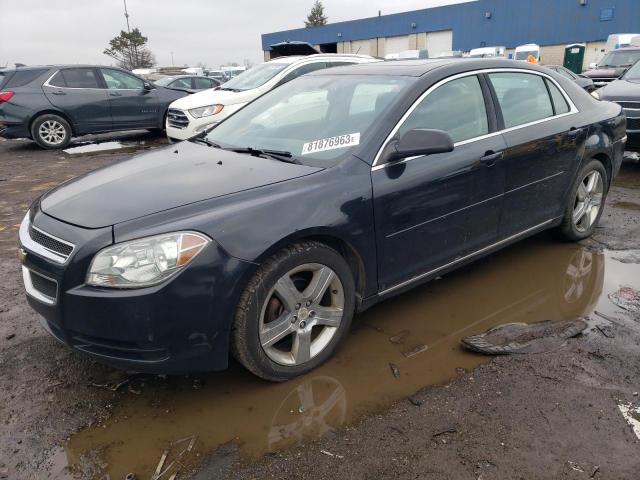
{"type": "Point", "coordinates": [192, 114]}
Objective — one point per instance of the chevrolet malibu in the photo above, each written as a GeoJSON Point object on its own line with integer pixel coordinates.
{"type": "Point", "coordinates": [263, 237]}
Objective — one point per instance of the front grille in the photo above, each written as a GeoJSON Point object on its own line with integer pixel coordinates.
{"type": "Point", "coordinates": [633, 123]}
{"type": "Point", "coordinates": [631, 105]}
{"type": "Point", "coordinates": [44, 285]}
{"type": "Point", "coordinates": [50, 243]}
{"type": "Point", "coordinates": [177, 119]}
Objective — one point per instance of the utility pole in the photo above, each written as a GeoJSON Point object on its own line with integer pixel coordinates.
{"type": "Point", "coordinates": [132, 50]}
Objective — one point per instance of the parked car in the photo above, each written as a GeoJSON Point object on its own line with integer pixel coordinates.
{"type": "Point", "coordinates": [315, 201]}
{"type": "Point", "coordinates": [217, 75]}
{"type": "Point", "coordinates": [187, 83]}
{"type": "Point", "coordinates": [582, 81]}
{"type": "Point", "coordinates": [524, 53]}
{"type": "Point", "coordinates": [194, 114]}
{"type": "Point", "coordinates": [488, 52]}
{"type": "Point", "coordinates": [626, 93]}
{"type": "Point", "coordinates": [52, 104]}
{"type": "Point", "coordinates": [613, 65]}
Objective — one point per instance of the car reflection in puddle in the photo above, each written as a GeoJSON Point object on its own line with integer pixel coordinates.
{"type": "Point", "coordinates": [419, 332]}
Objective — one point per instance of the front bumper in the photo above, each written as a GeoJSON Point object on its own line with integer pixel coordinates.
{"type": "Point", "coordinates": [179, 326]}
{"type": "Point", "coordinates": [179, 130]}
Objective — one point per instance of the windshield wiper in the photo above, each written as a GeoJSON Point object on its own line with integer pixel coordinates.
{"type": "Point", "coordinates": [229, 89]}
{"type": "Point", "coordinates": [280, 155]}
{"type": "Point", "coordinates": [206, 141]}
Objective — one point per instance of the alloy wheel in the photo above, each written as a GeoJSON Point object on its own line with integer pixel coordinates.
{"type": "Point", "coordinates": [52, 132]}
{"type": "Point", "coordinates": [588, 201]}
{"type": "Point", "coordinates": [301, 314]}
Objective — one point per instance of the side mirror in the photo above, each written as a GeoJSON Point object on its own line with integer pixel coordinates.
{"type": "Point", "coordinates": [593, 66]}
{"type": "Point", "coordinates": [147, 86]}
{"type": "Point", "coordinates": [417, 142]}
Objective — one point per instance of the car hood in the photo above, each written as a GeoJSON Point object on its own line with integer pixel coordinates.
{"type": "Point", "coordinates": [214, 97]}
{"type": "Point", "coordinates": [160, 180]}
{"type": "Point", "coordinates": [604, 72]}
{"type": "Point", "coordinates": [622, 90]}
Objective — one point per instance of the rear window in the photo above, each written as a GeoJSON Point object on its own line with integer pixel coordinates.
{"type": "Point", "coordinates": [80, 78]}
{"type": "Point", "coordinates": [23, 77]}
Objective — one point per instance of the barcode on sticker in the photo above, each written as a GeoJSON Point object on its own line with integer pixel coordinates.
{"type": "Point", "coordinates": [331, 143]}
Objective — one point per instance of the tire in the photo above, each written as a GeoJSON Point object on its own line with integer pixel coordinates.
{"type": "Point", "coordinates": [51, 132]}
{"type": "Point", "coordinates": [278, 332]}
{"type": "Point", "coordinates": [580, 194]}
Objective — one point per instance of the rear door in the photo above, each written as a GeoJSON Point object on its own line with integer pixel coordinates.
{"type": "Point", "coordinates": [132, 106]}
{"type": "Point", "coordinates": [544, 147]}
{"type": "Point", "coordinates": [436, 209]}
{"type": "Point", "coordinates": [79, 94]}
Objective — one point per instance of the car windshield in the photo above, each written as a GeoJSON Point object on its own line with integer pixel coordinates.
{"type": "Point", "coordinates": [256, 76]}
{"type": "Point", "coordinates": [318, 118]}
{"type": "Point", "coordinates": [620, 58]}
{"type": "Point", "coordinates": [633, 73]}
{"type": "Point", "coordinates": [524, 55]}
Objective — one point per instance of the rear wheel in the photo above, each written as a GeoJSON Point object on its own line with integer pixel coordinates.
{"type": "Point", "coordinates": [586, 202]}
{"type": "Point", "coordinates": [51, 131]}
{"type": "Point", "coordinates": [294, 312]}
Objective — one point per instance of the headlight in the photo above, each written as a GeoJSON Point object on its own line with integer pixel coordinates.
{"type": "Point", "coordinates": [144, 262]}
{"type": "Point", "coordinates": [206, 111]}
{"type": "Point", "coordinates": [596, 94]}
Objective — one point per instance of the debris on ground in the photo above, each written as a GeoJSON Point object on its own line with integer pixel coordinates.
{"type": "Point", "coordinates": [400, 338]}
{"type": "Point", "coordinates": [176, 463]}
{"type": "Point", "coordinates": [114, 387]}
{"type": "Point", "coordinates": [325, 452]}
{"type": "Point", "coordinates": [627, 298]}
{"type": "Point", "coordinates": [10, 336]}
{"type": "Point", "coordinates": [605, 330]}
{"type": "Point", "coordinates": [415, 350]}
{"type": "Point", "coordinates": [632, 416]}
{"type": "Point", "coordinates": [512, 338]}
{"type": "Point", "coordinates": [394, 370]}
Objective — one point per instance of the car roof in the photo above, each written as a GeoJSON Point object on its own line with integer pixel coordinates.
{"type": "Point", "coordinates": [320, 56]}
{"type": "Point", "coordinates": [632, 48]}
{"type": "Point", "coordinates": [418, 68]}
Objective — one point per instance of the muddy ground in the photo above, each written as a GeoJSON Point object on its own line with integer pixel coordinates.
{"type": "Point", "coordinates": [448, 414]}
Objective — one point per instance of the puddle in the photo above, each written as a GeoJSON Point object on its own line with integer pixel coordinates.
{"type": "Point", "coordinates": [418, 332]}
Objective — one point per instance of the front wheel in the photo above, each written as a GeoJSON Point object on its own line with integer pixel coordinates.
{"type": "Point", "coordinates": [586, 202]}
{"type": "Point", "coordinates": [294, 312]}
{"type": "Point", "coordinates": [51, 131]}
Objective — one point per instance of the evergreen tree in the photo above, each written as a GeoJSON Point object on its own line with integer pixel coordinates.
{"type": "Point", "coordinates": [317, 16]}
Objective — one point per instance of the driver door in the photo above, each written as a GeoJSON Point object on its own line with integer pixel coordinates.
{"type": "Point", "coordinates": [437, 209]}
{"type": "Point", "coordinates": [132, 106]}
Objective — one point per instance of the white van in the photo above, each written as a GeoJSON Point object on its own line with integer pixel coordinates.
{"type": "Point", "coordinates": [621, 40]}
{"type": "Point", "coordinates": [488, 52]}
{"type": "Point", "coordinates": [523, 52]}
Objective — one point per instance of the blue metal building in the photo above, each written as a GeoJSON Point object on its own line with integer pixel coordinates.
{"type": "Point", "coordinates": [484, 23]}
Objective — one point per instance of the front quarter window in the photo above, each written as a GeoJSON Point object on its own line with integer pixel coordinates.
{"type": "Point", "coordinates": [255, 77]}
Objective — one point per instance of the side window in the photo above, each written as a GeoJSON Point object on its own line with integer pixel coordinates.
{"type": "Point", "coordinates": [181, 83]}
{"type": "Point", "coordinates": [301, 70]}
{"type": "Point", "coordinates": [339, 64]}
{"type": "Point", "coordinates": [24, 77]}
{"type": "Point", "coordinates": [523, 97]}
{"type": "Point", "coordinates": [559, 102]}
{"type": "Point", "coordinates": [203, 83]}
{"type": "Point", "coordinates": [117, 80]}
{"type": "Point", "coordinates": [57, 80]}
{"type": "Point", "coordinates": [457, 107]}
{"type": "Point", "coordinates": [80, 78]}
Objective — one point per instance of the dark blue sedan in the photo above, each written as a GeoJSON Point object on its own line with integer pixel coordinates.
{"type": "Point", "coordinates": [263, 238]}
{"type": "Point", "coordinates": [52, 104]}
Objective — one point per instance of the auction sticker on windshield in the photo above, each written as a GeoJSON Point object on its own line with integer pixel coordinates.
{"type": "Point", "coordinates": [331, 143]}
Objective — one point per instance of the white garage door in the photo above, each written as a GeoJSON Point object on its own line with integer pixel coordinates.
{"type": "Point", "coordinates": [396, 44]}
{"type": "Point", "coordinates": [439, 42]}
{"type": "Point", "coordinates": [361, 47]}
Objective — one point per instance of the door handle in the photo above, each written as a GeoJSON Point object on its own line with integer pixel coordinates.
{"type": "Point", "coordinates": [59, 92]}
{"type": "Point", "coordinates": [574, 132]}
{"type": "Point", "coordinates": [115, 94]}
{"type": "Point", "coordinates": [490, 158]}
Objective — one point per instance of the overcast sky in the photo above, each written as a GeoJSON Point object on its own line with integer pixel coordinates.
{"type": "Point", "coordinates": [210, 31]}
